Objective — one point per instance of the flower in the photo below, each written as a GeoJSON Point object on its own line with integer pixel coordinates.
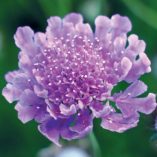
{"type": "Point", "coordinates": [67, 74]}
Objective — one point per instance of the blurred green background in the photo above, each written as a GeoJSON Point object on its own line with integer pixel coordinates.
{"type": "Point", "coordinates": [18, 140]}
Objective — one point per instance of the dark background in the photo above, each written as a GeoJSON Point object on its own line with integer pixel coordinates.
{"type": "Point", "coordinates": [18, 140]}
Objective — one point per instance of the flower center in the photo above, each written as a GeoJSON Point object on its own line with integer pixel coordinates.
{"type": "Point", "coordinates": [72, 70]}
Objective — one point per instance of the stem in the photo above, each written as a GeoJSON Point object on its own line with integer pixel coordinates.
{"type": "Point", "coordinates": [95, 145]}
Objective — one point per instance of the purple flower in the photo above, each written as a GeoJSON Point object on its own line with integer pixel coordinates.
{"type": "Point", "coordinates": [66, 76]}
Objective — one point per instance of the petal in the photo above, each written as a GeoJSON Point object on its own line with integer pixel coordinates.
{"type": "Point", "coordinates": [51, 130]}
{"type": "Point", "coordinates": [130, 105]}
{"type": "Point", "coordinates": [54, 22]}
{"type": "Point", "coordinates": [24, 40]}
{"type": "Point", "coordinates": [120, 43]}
{"type": "Point", "coordinates": [17, 83]}
{"type": "Point", "coordinates": [84, 30]}
{"type": "Point", "coordinates": [126, 65]}
{"type": "Point", "coordinates": [28, 98]}
{"type": "Point", "coordinates": [67, 111]}
{"type": "Point", "coordinates": [145, 105]}
{"type": "Point", "coordinates": [23, 35]}
{"type": "Point", "coordinates": [139, 67]}
{"type": "Point", "coordinates": [73, 18]}
{"type": "Point", "coordinates": [120, 24]}
{"type": "Point", "coordinates": [40, 39]}
{"type": "Point", "coordinates": [41, 114]}
{"type": "Point", "coordinates": [68, 31]}
{"type": "Point", "coordinates": [22, 81]}
{"type": "Point", "coordinates": [18, 79]}
{"type": "Point", "coordinates": [25, 62]}
{"type": "Point", "coordinates": [10, 76]}
{"type": "Point", "coordinates": [54, 27]}
{"type": "Point", "coordinates": [53, 109]}
{"type": "Point", "coordinates": [102, 26]}
{"type": "Point", "coordinates": [135, 47]}
{"type": "Point", "coordinates": [83, 122]}
{"type": "Point", "coordinates": [115, 122]}
{"type": "Point", "coordinates": [25, 113]}
{"type": "Point", "coordinates": [11, 93]}
{"type": "Point", "coordinates": [65, 132]}
{"type": "Point", "coordinates": [40, 92]}
{"type": "Point", "coordinates": [30, 107]}
{"type": "Point", "coordinates": [127, 108]}
{"type": "Point", "coordinates": [99, 110]}
{"type": "Point", "coordinates": [135, 89]}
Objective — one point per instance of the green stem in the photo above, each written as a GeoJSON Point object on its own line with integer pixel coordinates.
{"type": "Point", "coordinates": [95, 145]}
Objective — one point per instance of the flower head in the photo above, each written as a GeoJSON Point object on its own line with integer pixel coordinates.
{"type": "Point", "coordinates": [66, 76]}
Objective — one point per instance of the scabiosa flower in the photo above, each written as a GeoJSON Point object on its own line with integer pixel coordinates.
{"type": "Point", "coordinates": [66, 76]}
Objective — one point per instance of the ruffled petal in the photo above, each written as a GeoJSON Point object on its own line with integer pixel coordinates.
{"type": "Point", "coordinates": [117, 123]}
{"type": "Point", "coordinates": [52, 109]}
{"type": "Point", "coordinates": [126, 66]}
{"type": "Point", "coordinates": [40, 39]}
{"type": "Point", "coordinates": [17, 83]}
{"type": "Point", "coordinates": [100, 110]}
{"type": "Point", "coordinates": [24, 39]}
{"type": "Point", "coordinates": [67, 111]}
{"type": "Point", "coordinates": [84, 30]}
{"type": "Point", "coordinates": [11, 93]}
{"type": "Point", "coordinates": [10, 76]}
{"type": "Point", "coordinates": [83, 122]}
{"type": "Point", "coordinates": [149, 104]}
{"type": "Point", "coordinates": [51, 130]}
{"type": "Point", "coordinates": [139, 67]}
{"type": "Point", "coordinates": [135, 47]}
{"type": "Point", "coordinates": [145, 105]}
{"type": "Point", "coordinates": [40, 92]}
{"type": "Point", "coordinates": [102, 27]}
{"type": "Point", "coordinates": [67, 134]}
{"type": "Point", "coordinates": [25, 62]}
{"type": "Point", "coordinates": [65, 131]}
{"type": "Point", "coordinates": [30, 107]}
{"type": "Point", "coordinates": [54, 28]}
{"type": "Point", "coordinates": [120, 24]}
{"type": "Point", "coordinates": [129, 104]}
{"type": "Point", "coordinates": [28, 98]}
{"type": "Point", "coordinates": [73, 18]}
{"type": "Point", "coordinates": [25, 113]}
{"type": "Point", "coordinates": [135, 89]}
{"type": "Point", "coordinates": [120, 43]}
